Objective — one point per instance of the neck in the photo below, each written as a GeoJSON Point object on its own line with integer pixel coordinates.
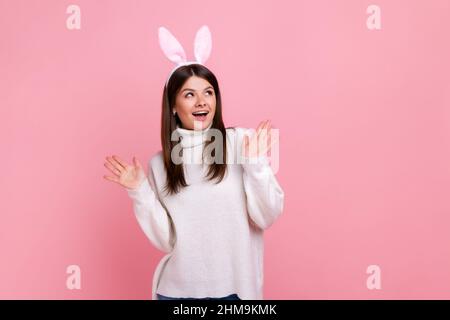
{"type": "Point", "coordinates": [191, 138]}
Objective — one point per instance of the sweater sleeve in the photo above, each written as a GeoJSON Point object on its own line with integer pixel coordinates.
{"type": "Point", "coordinates": [265, 198]}
{"type": "Point", "coordinates": [152, 217]}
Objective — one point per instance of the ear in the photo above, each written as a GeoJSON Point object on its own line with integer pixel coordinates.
{"type": "Point", "coordinates": [202, 44]}
{"type": "Point", "coordinates": [170, 46]}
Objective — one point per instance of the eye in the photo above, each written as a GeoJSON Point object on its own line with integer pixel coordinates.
{"type": "Point", "coordinates": [188, 94]}
{"type": "Point", "coordinates": [210, 92]}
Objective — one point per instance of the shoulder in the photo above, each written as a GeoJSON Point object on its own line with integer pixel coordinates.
{"type": "Point", "coordinates": [156, 161]}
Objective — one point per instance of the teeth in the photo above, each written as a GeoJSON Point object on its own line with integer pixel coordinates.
{"type": "Point", "coordinates": [200, 113]}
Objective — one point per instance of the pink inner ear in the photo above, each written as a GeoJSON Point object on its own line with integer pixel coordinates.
{"type": "Point", "coordinates": [203, 44]}
{"type": "Point", "coordinates": [171, 47]}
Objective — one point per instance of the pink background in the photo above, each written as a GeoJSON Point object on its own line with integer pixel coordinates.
{"type": "Point", "coordinates": [364, 123]}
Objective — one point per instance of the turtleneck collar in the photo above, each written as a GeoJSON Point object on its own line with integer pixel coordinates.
{"type": "Point", "coordinates": [192, 138]}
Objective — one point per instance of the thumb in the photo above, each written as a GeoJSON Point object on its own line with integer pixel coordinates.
{"type": "Point", "coordinates": [136, 162]}
{"type": "Point", "coordinates": [246, 140]}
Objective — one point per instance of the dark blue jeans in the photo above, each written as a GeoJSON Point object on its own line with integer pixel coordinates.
{"type": "Point", "coordinates": [233, 296]}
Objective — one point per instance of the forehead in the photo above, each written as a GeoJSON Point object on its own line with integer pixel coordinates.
{"type": "Point", "coordinates": [196, 83]}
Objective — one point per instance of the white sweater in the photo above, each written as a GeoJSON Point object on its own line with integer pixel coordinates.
{"type": "Point", "coordinates": [212, 233]}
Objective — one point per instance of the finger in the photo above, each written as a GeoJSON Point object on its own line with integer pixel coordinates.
{"type": "Point", "coordinates": [264, 138]}
{"type": "Point", "coordinates": [255, 137]}
{"type": "Point", "coordinates": [115, 164]}
{"type": "Point", "coordinates": [259, 126]}
{"type": "Point", "coordinates": [136, 162]}
{"type": "Point", "coordinates": [266, 125]}
{"type": "Point", "coordinates": [268, 135]}
{"type": "Point", "coordinates": [258, 129]}
{"type": "Point", "coordinates": [262, 142]}
{"type": "Point", "coordinates": [268, 128]}
{"type": "Point", "coordinates": [264, 128]}
{"type": "Point", "coordinates": [251, 146]}
{"type": "Point", "coordinates": [112, 169]}
{"type": "Point", "coordinates": [113, 179]}
{"type": "Point", "coordinates": [246, 139]}
{"type": "Point", "coordinates": [251, 136]}
{"type": "Point", "coordinates": [273, 139]}
{"type": "Point", "coordinates": [120, 161]}
{"type": "Point", "coordinates": [245, 145]}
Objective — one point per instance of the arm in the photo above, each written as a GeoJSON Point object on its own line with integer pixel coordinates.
{"type": "Point", "coordinates": [265, 198]}
{"type": "Point", "coordinates": [151, 215]}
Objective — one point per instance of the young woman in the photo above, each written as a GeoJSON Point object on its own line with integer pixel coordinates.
{"type": "Point", "coordinates": [208, 217]}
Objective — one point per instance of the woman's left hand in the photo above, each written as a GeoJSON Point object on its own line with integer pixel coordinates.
{"type": "Point", "coordinates": [260, 142]}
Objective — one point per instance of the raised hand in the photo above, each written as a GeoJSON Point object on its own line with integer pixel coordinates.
{"type": "Point", "coordinates": [127, 175]}
{"type": "Point", "coordinates": [260, 142]}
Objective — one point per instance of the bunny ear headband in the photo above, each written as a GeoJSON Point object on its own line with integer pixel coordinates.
{"type": "Point", "coordinates": [175, 52]}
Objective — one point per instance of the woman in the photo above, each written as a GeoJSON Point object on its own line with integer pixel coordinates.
{"type": "Point", "coordinates": [208, 217]}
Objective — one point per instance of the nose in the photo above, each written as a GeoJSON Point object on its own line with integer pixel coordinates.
{"type": "Point", "coordinates": [201, 102]}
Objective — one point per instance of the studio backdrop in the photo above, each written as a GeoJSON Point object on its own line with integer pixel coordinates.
{"type": "Point", "coordinates": [359, 91]}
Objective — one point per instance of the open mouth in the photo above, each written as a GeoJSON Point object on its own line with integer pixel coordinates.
{"type": "Point", "coordinates": [200, 115]}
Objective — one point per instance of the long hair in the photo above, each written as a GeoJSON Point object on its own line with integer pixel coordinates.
{"type": "Point", "coordinates": [169, 121]}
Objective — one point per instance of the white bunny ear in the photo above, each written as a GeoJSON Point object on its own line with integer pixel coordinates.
{"type": "Point", "coordinates": [202, 44]}
{"type": "Point", "coordinates": [170, 46]}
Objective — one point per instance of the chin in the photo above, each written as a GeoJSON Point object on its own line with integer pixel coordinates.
{"type": "Point", "coordinates": [200, 124]}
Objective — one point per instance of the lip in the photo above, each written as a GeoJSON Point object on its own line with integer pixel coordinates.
{"type": "Point", "coordinates": [201, 118]}
{"type": "Point", "coordinates": [198, 111]}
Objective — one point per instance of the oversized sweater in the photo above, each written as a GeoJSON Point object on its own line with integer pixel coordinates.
{"type": "Point", "coordinates": [212, 234]}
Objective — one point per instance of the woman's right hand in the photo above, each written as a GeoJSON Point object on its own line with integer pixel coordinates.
{"type": "Point", "coordinates": [127, 175]}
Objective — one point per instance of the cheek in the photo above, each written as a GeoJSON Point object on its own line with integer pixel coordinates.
{"type": "Point", "coordinates": [184, 108]}
{"type": "Point", "coordinates": [213, 103]}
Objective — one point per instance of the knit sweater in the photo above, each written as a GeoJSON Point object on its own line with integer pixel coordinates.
{"type": "Point", "coordinates": [212, 234]}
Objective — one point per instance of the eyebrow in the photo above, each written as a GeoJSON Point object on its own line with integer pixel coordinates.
{"type": "Point", "coordinates": [189, 89]}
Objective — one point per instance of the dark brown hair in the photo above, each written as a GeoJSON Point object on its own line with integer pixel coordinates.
{"type": "Point", "coordinates": [169, 121]}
